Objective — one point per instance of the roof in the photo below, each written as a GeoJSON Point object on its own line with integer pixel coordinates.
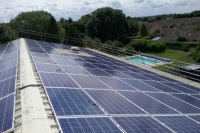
{"type": "Point", "coordinates": [47, 91]}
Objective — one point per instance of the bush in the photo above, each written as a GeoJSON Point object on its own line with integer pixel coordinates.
{"type": "Point", "coordinates": [114, 43]}
{"type": "Point", "coordinates": [181, 39]}
{"type": "Point", "coordinates": [140, 45]}
{"type": "Point", "coordinates": [185, 47]}
{"type": "Point", "coordinates": [196, 54]}
{"type": "Point", "coordinates": [146, 38]}
{"type": "Point", "coordinates": [191, 51]}
{"type": "Point", "coordinates": [157, 46]}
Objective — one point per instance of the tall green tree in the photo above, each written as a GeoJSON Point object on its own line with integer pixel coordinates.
{"type": "Point", "coordinates": [133, 27]}
{"type": "Point", "coordinates": [143, 31]}
{"type": "Point", "coordinates": [107, 24]}
{"type": "Point", "coordinates": [7, 34]}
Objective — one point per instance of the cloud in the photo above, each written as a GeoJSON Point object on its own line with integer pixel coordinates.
{"type": "Point", "coordinates": [157, 5]}
{"type": "Point", "coordinates": [86, 3]}
{"type": "Point", "coordinates": [115, 4]}
{"type": "Point", "coordinates": [182, 3]}
{"type": "Point", "coordinates": [139, 1]}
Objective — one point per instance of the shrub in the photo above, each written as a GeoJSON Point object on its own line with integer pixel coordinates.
{"type": "Point", "coordinates": [146, 38]}
{"type": "Point", "coordinates": [196, 54]}
{"type": "Point", "coordinates": [191, 51]}
{"type": "Point", "coordinates": [140, 45]}
{"type": "Point", "coordinates": [114, 43]}
{"type": "Point", "coordinates": [157, 46]}
{"type": "Point", "coordinates": [185, 47]}
{"type": "Point", "coordinates": [181, 39]}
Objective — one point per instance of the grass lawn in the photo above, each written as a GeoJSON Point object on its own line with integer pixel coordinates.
{"type": "Point", "coordinates": [175, 54]}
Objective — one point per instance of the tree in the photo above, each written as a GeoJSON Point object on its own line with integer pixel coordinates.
{"type": "Point", "coordinates": [143, 31]}
{"type": "Point", "coordinates": [144, 19]}
{"type": "Point", "coordinates": [196, 54]}
{"type": "Point", "coordinates": [107, 24]}
{"type": "Point", "coordinates": [133, 27]}
{"type": "Point", "coordinates": [158, 18]}
{"type": "Point", "coordinates": [52, 29]}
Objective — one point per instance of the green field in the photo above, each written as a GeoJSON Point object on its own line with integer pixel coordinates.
{"type": "Point", "coordinates": [175, 54]}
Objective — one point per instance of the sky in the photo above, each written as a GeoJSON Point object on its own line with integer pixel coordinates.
{"type": "Point", "coordinates": [9, 9]}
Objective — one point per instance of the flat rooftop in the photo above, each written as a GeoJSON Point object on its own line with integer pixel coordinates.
{"type": "Point", "coordinates": [47, 89]}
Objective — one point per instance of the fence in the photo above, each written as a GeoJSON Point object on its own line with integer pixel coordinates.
{"type": "Point", "coordinates": [173, 67]}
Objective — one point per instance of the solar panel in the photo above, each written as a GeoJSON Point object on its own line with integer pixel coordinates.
{"type": "Point", "coordinates": [179, 88]}
{"type": "Point", "coordinates": [140, 85]}
{"type": "Point", "coordinates": [91, 61]}
{"type": "Point", "coordinates": [38, 54]}
{"type": "Point", "coordinates": [72, 102]}
{"type": "Point", "coordinates": [8, 73]}
{"type": "Point", "coordinates": [89, 82]}
{"type": "Point", "coordinates": [136, 76]}
{"type": "Point", "coordinates": [196, 96]}
{"type": "Point", "coordinates": [8, 58]}
{"type": "Point", "coordinates": [147, 103]}
{"type": "Point", "coordinates": [180, 124]}
{"type": "Point", "coordinates": [8, 64]}
{"type": "Point", "coordinates": [188, 99]}
{"type": "Point", "coordinates": [160, 86]}
{"type": "Point", "coordinates": [48, 68]}
{"type": "Point", "coordinates": [175, 103]}
{"type": "Point", "coordinates": [189, 87]}
{"type": "Point", "coordinates": [74, 58]}
{"type": "Point", "coordinates": [84, 64]}
{"type": "Point", "coordinates": [58, 57]}
{"type": "Point", "coordinates": [57, 80]}
{"type": "Point", "coordinates": [6, 111]}
{"type": "Point", "coordinates": [118, 68]}
{"type": "Point", "coordinates": [75, 70]}
{"type": "Point", "coordinates": [152, 77]}
{"type": "Point", "coordinates": [97, 72]}
{"type": "Point", "coordinates": [101, 66]}
{"type": "Point", "coordinates": [117, 74]}
{"type": "Point", "coordinates": [143, 124]}
{"type": "Point", "coordinates": [106, 63]}
{"type": "Point", "coordinates": [113, 103]}
{"type": "Point", "coordinates": [7, 87]}
{"type": "Point", "coordinates": [43, 60]}
{"type": "Point", "coordinates": [195, 117]}
{"type": "Point", "coordinates": [116, 84]}
{"type": "Point", "coordinates": [146, 71]}
{"type": "Point", "coordinates": [88, 125]}
{"type": "Point", "coordinates": [65, 62]}
{"type": "Point", "coordinates": [166, 78]}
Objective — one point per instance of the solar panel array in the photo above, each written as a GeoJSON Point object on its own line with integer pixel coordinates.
{"type": "Point", "coordinates": [8, 73]}
{"type": "Point", "coordinates": [101, 94]}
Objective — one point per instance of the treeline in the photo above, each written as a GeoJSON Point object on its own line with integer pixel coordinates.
{"type": "Point", "coordinates": [102, 25]}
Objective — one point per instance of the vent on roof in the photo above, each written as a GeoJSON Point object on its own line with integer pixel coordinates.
{"type": "Point", "coordinates": [75, 49]}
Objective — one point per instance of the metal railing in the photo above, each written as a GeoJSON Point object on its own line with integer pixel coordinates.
{"type": "Point", "coordinates": [173, 67]}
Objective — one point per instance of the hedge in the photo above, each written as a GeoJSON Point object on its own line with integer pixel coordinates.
{"type": "Point", "coordinates": [196, 54]}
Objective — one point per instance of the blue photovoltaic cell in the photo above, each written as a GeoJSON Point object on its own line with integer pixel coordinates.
{"type": "Point", "coordinates": [139, 85]}
{"type": "Point", "coordinates": [116, 84]}
{"type": "Point", "coordinates": [72, 102]}
{"type": "Point", "coordinates": [57, 80]}
{"type": "Point", "coordinates": [106, 63]}
{"type": "Point", "coordinates": [89, 82]}
{"type": "Point", "coordinates": [118, 68]}
{"type": "Point", "coordinates": [74, 58]}
{"type": "Point", "coordinates": [43, 60]}
{"type": "Point", "coordinates": [147, 103]}
{"type": "Point", "coordinates": [136, 76]}
{"type": "Point", "coordinates": [8, 73]}
{"type": "Point", "coordinates": [113, 103]}
{"type": "Point", "coordinates": [101, 66]}
{"type": "Point", "coordinates": [143, 124]}
{"type": "Point", "coordinates": [190, 87]}
{"type": "Point", "coordinates": [175, 103]}
{"type": "Point", "coordinates": [179, 88]}
{"type": "Point", "coordinates": [40, 54]}
{"type": "Point", "coordinates": [180, 124]}
{"type": "Point", "coordinates": [6, 111]}
{"type": "Point", "coordinates": [152, 77]}
{"type": "Point", "coordinates": [58, 57]}
{"type": "Point", "coordinates": [75, 70]}
{"type": "Point", "coordinates": [84, 64]}
{"type": "Point", "coordinates": [166, 78]}
{"type": "Point", "coordinates": [117, 74]}
{"type": "Point", "coordinates": [135, 70]}
{"type": "Point", "coordinates": [188, 99]}
{"type": "Point", "coordinates": [7, 87]}
{"type": "Point", "coordinates": [91, 61]}
{"type": "Point", "coordinates": [88, 125]}
{"type": "Point", "coordinates": [8, 64]}
{"type": "Point", "coordinates": [65, 62]}
{"type": "Point", "coordinates": [195, 117]}
{"type": "Point", "coordinates": [97, 72]}
{"type": "Point", "coordinates": [146, 71]}
{"type": "Point", "coordinates": [8, 58]}
{"type": "Point", "coordinates": [160, 86]}
{"type": "Point", "coordinates": [196, 96]}
{"type": "Point", "coordinates": [48, 68]}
